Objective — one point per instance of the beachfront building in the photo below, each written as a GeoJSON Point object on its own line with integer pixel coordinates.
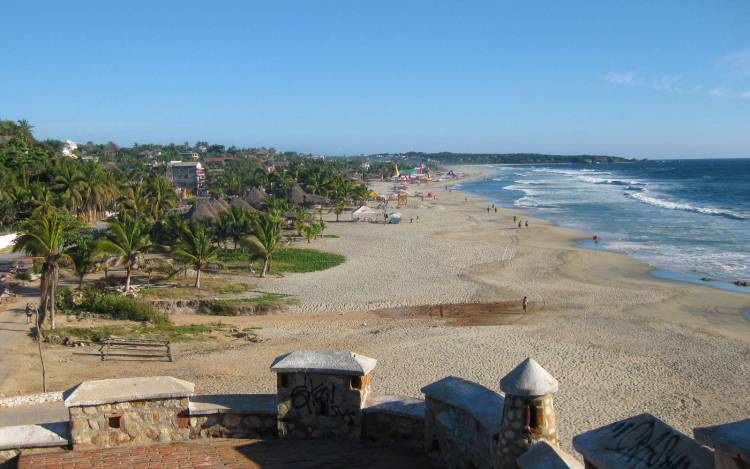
{"type": "Point", "coordinates": [188, 177]}
{"type": "Point", "coordinates": [68, 149]}
{"type": "Point", "coordinates": [218, 159]}
{"type": "Point", "coordinates": [189, 154]}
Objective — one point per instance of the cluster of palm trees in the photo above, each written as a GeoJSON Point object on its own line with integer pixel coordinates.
{"type": "Point", "coordinates": [57, 240]}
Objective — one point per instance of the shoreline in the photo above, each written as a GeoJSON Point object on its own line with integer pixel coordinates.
{"type": "Point", "coordinates": [584, 242]}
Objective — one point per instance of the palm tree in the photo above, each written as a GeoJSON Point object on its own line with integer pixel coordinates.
{"type": "Point", "coordinates": [44, 237]}
{"type": "Point", "coordinates": [136, 203]}
{"type": "Point", "coordinates": [195, 248]}
{"type": "Point", "coordinates": [162, 196]}
{"type": "Point", "coordinates": [83, 257]}
{"type": "Point", "coordinates": [128, 239]}
{"type": "Point", "coordinates": [97, 191]}
{"type": "Point", "coordinates": [67, 183]}
{"type": "Point", "coordinates": [266, 238]}
{"type": "Point", "coordinates": [339, 208]}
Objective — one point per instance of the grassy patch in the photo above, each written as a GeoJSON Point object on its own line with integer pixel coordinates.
{"type": "Point", "coordinates": [264, 303]}
{"type": "Point", "coordinates": [236, 288]}
{"type": "Point", "coordinates": [168, 332]}
{"type": "Point", "coordinates": [208, 289]}
{"type": "Point", "coordinates": [304, 260]}
{"type": "Point", "coordinates": [298, 260]}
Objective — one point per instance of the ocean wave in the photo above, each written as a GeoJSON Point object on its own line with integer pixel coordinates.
{"type": "Point", "coordinates": [526, 202]}
{"type": "Point", "coordinates": [571, 172]}
{"type": "Point", "coordinates": [640, 196]}
{"type": "Point", "coordinates": [614, 182]}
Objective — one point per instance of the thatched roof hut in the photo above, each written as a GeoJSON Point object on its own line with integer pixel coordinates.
{"type": "Point", "coordinates": [256, 197]}
{"type": "Point", "coordinates": [237, 202]}
{"type": "Point", "coordinates": [298, 196]}
{"type": "Point", "coordinates": [207, 210]}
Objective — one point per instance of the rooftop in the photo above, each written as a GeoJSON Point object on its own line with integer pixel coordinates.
{"type": "Point", "coordinates": [107, 391]}
{"type": "Point", "coordinates": [528, 379]}
{"type": "Point", "coordinates": [344, 363]}
{"type": "Point", "coordinates": [483, 404]}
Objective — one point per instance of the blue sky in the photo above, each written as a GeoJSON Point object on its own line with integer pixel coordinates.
{"type": "Point", "coordinates": [640, 78]}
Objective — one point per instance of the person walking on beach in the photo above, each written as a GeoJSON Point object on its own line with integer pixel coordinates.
{"type": "Point", "coordinates": [29, 313]}
{"type": "Point", "coordinates": [527, 223]}
{"type": "Point", "coordinates": [525, 303]}
{"type": "Point", "coordinates": [495, 209]}
{"type": "Point", "coordinates": [514, 218]}
{"type": "Point", "coordinates": [519, 224]}
{"type": "Point", "coordinates": [488, 210]}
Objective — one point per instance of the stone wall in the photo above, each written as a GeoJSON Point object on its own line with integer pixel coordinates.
{"type": "Point", "coordinates": [387, 426]}
{"type": "Point", "coordinates": [320, 405]}
{"type": "Point", "coordinates": [130, 423]}
{"type": "Point", "coordinates": [454, 438]}
{"type": "Point", "coordinates": [233, 425]}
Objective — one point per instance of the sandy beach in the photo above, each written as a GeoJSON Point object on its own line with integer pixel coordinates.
{"type": "Point", "coordinates": [619, 341]}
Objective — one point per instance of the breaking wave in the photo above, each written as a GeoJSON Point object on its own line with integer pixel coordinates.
{"type": "Point", "coordinates": [640, 196]}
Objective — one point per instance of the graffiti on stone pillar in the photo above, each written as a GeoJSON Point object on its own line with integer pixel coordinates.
{"type": "Point", "coordinates": [320, 399]}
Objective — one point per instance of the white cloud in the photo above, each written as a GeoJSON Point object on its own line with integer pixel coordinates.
{"type": "Point", "coordinates": [745, 95]}
{"type": "Point", "coordinates": [622, 78]}
{"type": "Point", "coordinates": [717, 92]}
{"type": "Point", "coordinates": [737, 61]}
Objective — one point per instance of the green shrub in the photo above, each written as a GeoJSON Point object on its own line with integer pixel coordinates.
{"type": "Point", "coordinates": [117, 306]}
{"type": "Point", "coordinates": [25, 275]}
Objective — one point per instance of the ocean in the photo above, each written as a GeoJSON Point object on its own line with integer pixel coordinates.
{"type": "Point", "coordinates": [689, 219]}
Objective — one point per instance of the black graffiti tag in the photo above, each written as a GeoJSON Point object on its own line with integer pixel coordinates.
{"type": "Point", "coordinates": [319, 400]}
{"type": "Point", "coordinates": [643, 444]}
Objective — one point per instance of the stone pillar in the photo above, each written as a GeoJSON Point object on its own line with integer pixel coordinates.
{"type": "Point", "coordinates": [528, 414]}
{"type": "Point", "coordinates": [127, 412]}
{"type": "Point", "coordinates": [322, 394]}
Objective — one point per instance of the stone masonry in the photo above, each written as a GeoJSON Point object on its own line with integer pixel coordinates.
{"type": "Point", "coordinates": [129, 423]}
{"type": "Point", "coordinates": [321, 394]}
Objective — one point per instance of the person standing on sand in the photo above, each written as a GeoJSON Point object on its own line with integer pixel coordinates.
{"type": "Point", "coordinates": [514, 218]}
{"type": "Point", "coordinates": [495, 209]}
{"type": "Point", "coordinates": [29, 313]}
{"type": "Point", "coordinates": [525, 303]}
{"type": "Point", "coordinates": [527, 223]}
{"type": "Point", "coordinates": [519, 224]}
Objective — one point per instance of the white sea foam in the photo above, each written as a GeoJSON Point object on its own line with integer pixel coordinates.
{"type": "Point", "coordinates": [642, 197]}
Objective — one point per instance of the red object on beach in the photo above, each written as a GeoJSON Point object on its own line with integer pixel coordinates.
{"type": "Point", "coordinates": [595, 238]}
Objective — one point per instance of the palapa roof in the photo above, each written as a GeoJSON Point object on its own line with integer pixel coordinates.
{"type": "Point", "coordinates": [207, 209]}
{"type": "Point", "coordinates": [299, 197]}
{"type": "Point", "coordinates": [110, 147]}
{"type": "Point", "coordinates": [529, 379]}
{"type": "Point", "coordinates": [256, 197]}
{"type": "Point", "coordinates": [237, 202]}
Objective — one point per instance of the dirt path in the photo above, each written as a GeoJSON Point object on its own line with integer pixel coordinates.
{"type": "Point", "coordinates": [17, 351]}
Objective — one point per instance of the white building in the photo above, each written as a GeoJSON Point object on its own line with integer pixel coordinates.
{"type": "Point", "coordinates": [69, 148]}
